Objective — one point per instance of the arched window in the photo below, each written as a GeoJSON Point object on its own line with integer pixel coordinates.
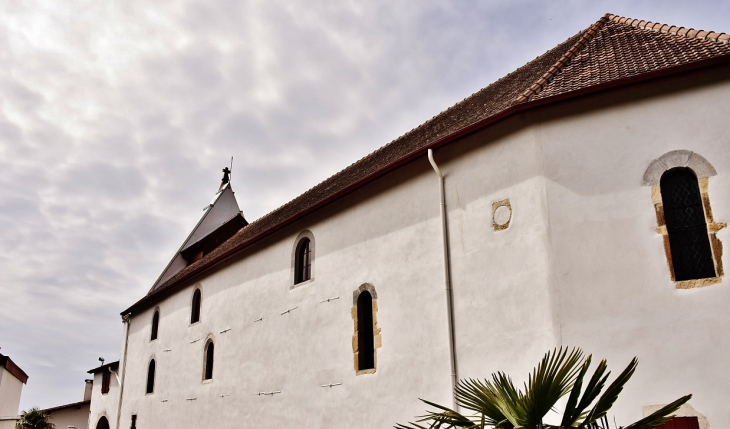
{"type": "Point", "coordinates": [195, 309]}
{"type": "Point", "coordinates": [686, 225]}
{"type": "Point", "coordinates": [365, 338]}
{"type": "Point", "coordinates": [208, 365]}
{"type": "Point", "coordinates": [155, 325]}
{"type": "Point", "coordinates": [151, 377]}
{"type": "Point", "coordinates": [303, 263]}
{"type": "Point", "coordinates": [103, 423]}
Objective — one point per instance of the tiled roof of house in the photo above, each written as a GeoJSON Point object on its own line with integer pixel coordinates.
{"type": "Point", "coordinates": [606, 53]}
{"type": "Point", "coordinates": [105, 367]}
{"type": "Point", "coordinates": [11, 367]}
{"type": "Point", "coordinates": [76, 405]}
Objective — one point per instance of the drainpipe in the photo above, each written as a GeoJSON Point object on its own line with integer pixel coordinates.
{"type": "Point", "coordinates": [125, 320]}
{"type": "Point", "coordinates": [447, 279]}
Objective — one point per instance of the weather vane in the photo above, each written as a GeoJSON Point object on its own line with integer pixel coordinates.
{"type": "Point", "coordinates": [227, 174]}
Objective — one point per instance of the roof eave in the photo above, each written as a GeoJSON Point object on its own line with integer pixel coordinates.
{"type": "Point", "coordinates": [63, 407]}
{"type": "Point", "coordinates": [103, 367]}
{"type": "Point", "coordinates": [477, 126]}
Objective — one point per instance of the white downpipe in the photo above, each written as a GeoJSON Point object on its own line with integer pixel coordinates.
{"type": "Point", "coordinates": [125, 320]}
{"type": "Point", "coordinates": [447, 279]}
{"type": "Point", "coordinates": [119, 380]}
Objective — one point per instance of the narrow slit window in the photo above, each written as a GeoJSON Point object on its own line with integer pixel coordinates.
{"type": "Point", "coordinates": [155, 325]}
{"type": "Point", "coordinates": [195, 310]}
{"type": "Point", "coordinates": [208, 370]}
{"type": "Point", "coordinates": [365, 338]}
{"type": "Point", "coordinates": [303, 261]}
{"type": "Point", "coordinates": [151, 377]}
{"type": "Point", "coordinates": [686, 225]}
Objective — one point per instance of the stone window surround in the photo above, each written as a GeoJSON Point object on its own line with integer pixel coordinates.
{"type": "Point", "coordinates": [377, 340]}
{"type": "Point", "coordinates": [495, 205]}
{"type": "Point", "coordinates": [704, 170]}
{"type": "Point", "coordinates": [312, 247]}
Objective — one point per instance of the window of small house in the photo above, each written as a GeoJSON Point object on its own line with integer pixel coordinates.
{"type": "Point", "coordinates": [105, 380]}
{"type": "Point", "coordinates": [303, 262]}
{"type": "Point", "coordinates": [195, 307]}
{"type": "Point", "coordinates": [151, 377]}
{"type": "Point", "coordinates": [686, 225]}
{"type": "Point", "coordinates": [155, 324]}
{"type": "Point", "coordinates": [208, 360]}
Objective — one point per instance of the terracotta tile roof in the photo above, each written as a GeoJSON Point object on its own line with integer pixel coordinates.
{"type": "Point", "coordinates": [77, 405]}
{"type": "Point", "coordinates": [622, 47]}
{"type": "Point", "coordinates": [111, 365]}
{"type": "Point", "coordinates": [11, 367]}
{"type": "Point", "coordinates": [609, 51]}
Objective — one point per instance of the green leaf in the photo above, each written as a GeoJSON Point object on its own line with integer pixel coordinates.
{"type": "Point", "coordinates": [659, 417]}
{"type": "Point", "coordinates": [551, 380]}
{"type": "Point", "coordinates": [605, 402]}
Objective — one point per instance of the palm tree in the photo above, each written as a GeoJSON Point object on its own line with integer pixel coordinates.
{"type": "Point", "coordinates": [498, 404]}
{"type": "Point", "coordinates": [34, 419]}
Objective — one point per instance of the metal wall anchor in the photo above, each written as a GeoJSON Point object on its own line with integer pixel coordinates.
{"type": "Point", "coordinates": [331, 385]}
{"type": "Point", "coordinates": [330, 299]}
{"type": "Point", "coordinates": [289, 310]}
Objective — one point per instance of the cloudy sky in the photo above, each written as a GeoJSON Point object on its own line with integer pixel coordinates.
{"type": "Point", "coordinates": [117, 116]}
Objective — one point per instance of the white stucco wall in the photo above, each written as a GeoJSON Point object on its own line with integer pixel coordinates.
{"type": "Point", "coordinates": [615, 295]}
{"type": "Point", "coordinates": [105, 405]}
{"type": "Point", "coordinates": [580, 264]}
{"type": "Point", "coordinates": [77, 418]}
{"type": "Point", "coordinates": [10, 390]}
{"type": "Point", "coordinates": [298, 352]}
{"type": "Point", "coordinates": [8, 422]}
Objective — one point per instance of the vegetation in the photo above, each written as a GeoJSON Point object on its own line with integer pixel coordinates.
{"type": "Point", "coordinates": [34, 419]}
{"type": "Point", "coordinates": [498, 404]}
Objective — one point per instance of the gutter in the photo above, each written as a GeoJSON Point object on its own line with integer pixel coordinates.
{"type": "Point", "coordinates": [497, 117]}
{"type": "Point", "coordinates": [447, 280]}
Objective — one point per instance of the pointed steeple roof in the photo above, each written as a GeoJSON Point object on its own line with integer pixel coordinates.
{"type": "Point", "coordinates": [220, 221]}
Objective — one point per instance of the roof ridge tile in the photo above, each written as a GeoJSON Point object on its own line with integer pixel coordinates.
{"type": "Point", "coordinates": [690, 33]}
{"type": "Point", "coordinates": [562, 62]}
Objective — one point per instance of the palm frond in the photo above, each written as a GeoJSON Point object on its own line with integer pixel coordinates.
{"type": "Point", "coordinates": [592, 390]}
{"type": "Point", "coordinates": [660, 416]}
{"type": "Point", "coordinates": [570, 414]}
{"type": "Point", "coordinates": [446, 418]}
{"type": "Point", "coordinates": [481, 398]}
{"type": "Point", "coordinates": [551, 380]}
{"type": "Point", "coordinates": [605, 402]}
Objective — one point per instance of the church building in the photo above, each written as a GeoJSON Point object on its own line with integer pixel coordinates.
{"type": "Point", "coordinates": [580, 200]}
